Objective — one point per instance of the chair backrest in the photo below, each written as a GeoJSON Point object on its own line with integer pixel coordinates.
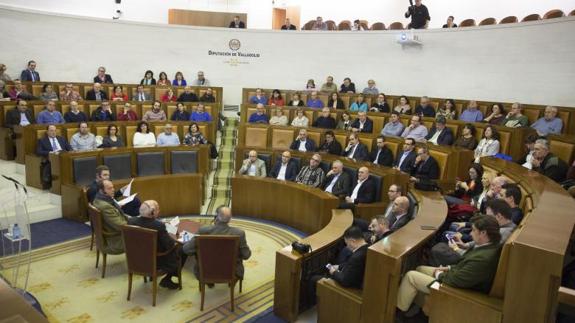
{"type": "Point", "coordinates": [95, 217]}
{"type": "Point", "coordinates": [220, 268]}
{"type": "Point", "coordinates": [184, 161]}
{"type": "Point", "coordinates": [378, 26]}
{"type": "Point", "coordinates": [508, 20]}
{"type": "Point", "coordinates": [150, 163]}
{"type": "Point", "coordinates": [378, 181]}
{"type": "Point", "coordinates": [532, 17]}
{"type": "Point", "coordinates": [120, 165]}
{"type": "Point", "coordinates": [572, 13]}
{"type": "Point", "coordinates": [344, 25]}
{"type": "Point", "coordinates": [498, 287]}
{"type": "Point", "coordinates": [140, 246]}
{"type": "Point", "coordinates": [467, 23]}
{"type": "Point", "coordinates": [396, 26]}
{"type": "Point", "coordinates": [488, 21]}
{"type": "Point", "coordinates": [308, 25]}
{"type": "Point", "coordinates": [84, 169]}
{"type": "Point", "coordinates": [555, 13]}
{"type": "Point", "coordinates": [331, 25]}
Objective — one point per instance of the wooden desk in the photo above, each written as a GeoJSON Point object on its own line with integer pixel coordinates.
{"type": "Point", "coordinates": [15, 309]}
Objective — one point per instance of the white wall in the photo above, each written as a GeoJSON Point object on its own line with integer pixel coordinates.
{"type": "Point", "coordinates": [530, 62]}
{"type": "Point", "coordinates": [259, 11]}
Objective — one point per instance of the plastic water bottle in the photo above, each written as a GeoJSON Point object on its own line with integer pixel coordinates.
{"type": "Point", "coordinates": [16, 233]}
{"type": "Point", "coordinates": [186, 237]}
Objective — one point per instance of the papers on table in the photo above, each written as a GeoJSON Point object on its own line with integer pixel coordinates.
{"type": "Point", "coordinates": [126, 200]}
{"type": "Point", "coordinates": [126, 190]}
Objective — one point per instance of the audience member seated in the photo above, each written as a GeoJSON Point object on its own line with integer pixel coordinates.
{"type": "Point", "coordinates": [467, 139]}
{"type": "Point", "coordinates": [511, 194]}
{"type": "Point", "coordinates": [278, 118]}
{"type": "Point", "coordinates": [335, 102]}
{"type": "Point", "coordinates": [370, 89]}
{"type": "Point", "coordinates": [168, 137]}
{"type": "Point", "coordinates": [286, 170]}
{"type": "Point", "coordinates": [486, 181]}
{"type": "Point", "coordinates": [173, 261]}
{"type": "Point", "coordinates": [324, 120]}
{"type": "Point", "coordinates": [314, 101]}
{"type": "Point", "coordinates": [496, 115]}
{"type": "Point", "coordinates": [319, 24]}
{"type": "Point", "coordinates": [310, 85]}
{"type": "Point", "coordinates": [426, 169]}
{"type": "Point", "coordinates": [311, 175]}
{"type": "Point", "coordinates": [546, 163]}
{"type": "Point", "coordinates": [156, 114]}
{"type": "Point", "coordinates": [363, 191]}
{"type": "Point", "coordinates": [303, 143]}
{"type": "Point", "coordinates": [83, 139]}
{"type": "Point", "coordinates": [143, 137]}
{"type": "Point", "coordinates": [393, 192]}
{"type": "Point", "coordinates": [194, 137]}
{"type": "Point", "coordinates": [330, 145]}
{"type": "Point", "coordinates": [237, 23]}
{"type": "Point", "coordinates": [103, 173]}
{"type": "Point", "coordinates": [102, 77]}
{"type": "Point", "coordinates": [379, 229]}
{"type": "Point", "coordinates": [514, 118]}
{"type": "Point", "coordinates": [329, 86]}
{"type": "Point", "coordinates": [380, 105]}
{"type": "Point", "coordinates": [112, 138]}
{"type": "Point", "coordinates": [201, 80]}
{"type": "Point", "coordinates": [450, 23]}
{"type": "Point", "coordinates": [399, 213]}
{"type": "Point", "coordinates": [425, 109]}
{"type": "Point", "coordinates": [419, 16]}
{"type": "Point", "coordinates": [179, 79]}
{"type": "Point", "coordinates": [49, 115]}
{"type": "Point", "coordinates": [188, 95]}
{"type": "Point", "coordinates": [169, 96]}
{"type": "Point", "coordinates": [468, 190]}
{"type": "Point", "coordinates": [296, 101]}
{"type": "Point", "coordinates": [288, 25]}
{"type": "Point", "coordinates": [127, 114]}
{"type": "Point", "coordinates": [489, 144]}
{"type": "Point", "coordinates": [415, 130]}
{"type": "Point", "coordinates": [357, 26]}
{"type": "Point", "coordinates": [163, 79]}
{"type": "Point", "coordinates": [96, 93]}
{"type": "Point", "coordinates": [447, 110]}
{"type": "Point", "coordinates": [440, 134]}
{"type": "Point", "coordinates": [180, 114]}
{"type": "Point", "coordinates": [549, 124]}
{"type": "Point", "coordinates": [472, 113]}
{"type": "Point", "coordinates": [300, 120]}
{"type": "Point", "coordinates": [48, 93]}
{"type": "Point", "coordinates": [276, 98]}
{"type": "Point", "coordinates": [259, 116]}
{"type": "Point", "coordinates": [345, 122]}
{"type": "Point", "coordinates": [337, 181]}
{"type": "Point", "coordinates": [359, 104]}
{"type": "Point", "coordinates": [355, 149]}
{"type": "Point", "coordinates": [258, 98]}
{"type": "Point", "coordinates": [75, 115]}
{"type": "Point", "coordinates": [475, 271]}
{"type": "Point", "coordinates": [113, 218]}
{"type": "Point", "coordinates": [148, 78]}
{"type": "Point", "coordinates": [347, 87]}
{"type": "Point", "coordinates": [253, 166]}
{"type": "Point", "coordinates": [30, 74]}
{"type": "Point", "coordinates": [405, 161]}
{"type": "Point", "coordinates": [51, 143]}
{"type": "Point", "coordinates": [381, 155]}
{"type": "Point", "coordinates": [141, 95]}
{"type": "Point", "coordinates": [221, 227]}
{"type": "Point", "coordinates": [362, 123]}
{"type": "Point", "coordinates": [4, 96]}
{"type": "Point", "coordinates": [103, 113]}
{"type": "Point", "coordinates": [208, 96]}
{"type": "Point", "coordinates": [19, 115]}
{"type": "Point", "coordinates": [118, 94]}
{"type": "Point", "coordinates": [394, 127]}
{"type": "Point", "coordinates": [18, 91]}
{"type": "Point", "coordinates": [200, 115]}
{"type": "Point", "coordinates": [4, 77]}
{"type": "Point", "coordinates": [403, 107]}
{"type": "Point", "coordinates": [529, 142]}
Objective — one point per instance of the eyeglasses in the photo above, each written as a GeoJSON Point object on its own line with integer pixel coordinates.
{"type": "Point", "coordinates": [316, 160]}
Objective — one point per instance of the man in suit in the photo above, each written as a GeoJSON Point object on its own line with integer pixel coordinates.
{"type": "Point", "coordinates": [325, 120]}
{"type": "Point", "coordinates": [171, 262]}
{"type": "Point", "coordinates": [355, 149]}
{"type": "Point", "coordinates": [350, 272]}
{"type": "Point", "coordinates": [393, 192]}
{"type": "Point", "coordinates": [439, 133]}
{"type": "Point", "coordinates": [338, 181]}
{"type": "Point", "coordinates": [30, 74]}
{"type": "Point", "coordinates": [253, 166]}
{"type": "Point", "coordinates": [382, 155]}
{"type": "Point", "coordinates": [141, 95]}
{"type": "Point", "coordinates": [102, 77]}
{"type": "Point", "coordinates": [237, 23]}
{"type": "Point", "coordinates": [288, 25]}
{"type": "Point", "coordinates": [379, 228]}
{"type": "Point", "coordinates": [547, 163]}
{"type": "Point", "coordinates": [426, 169]}
{"type": "Point", "coordinates": [405, 161]}
{"type": "Point", "coordinates": [286, 170]}
{"type": "Point", "coordinates": [112, 216]}
{"type": "Point", "coordinates": [475, 271]}
{"type": "Point", "coordinates": [103, 173]}
{"type": "Point", "coordinates": [96, 93]}
{"type": "Point", "coordinates": [311, 175]}
{"type": "Point", "coordinates": [399, 213]}
{"type": "Point", "coordinates": [19, 116]}
{"type": "Point", "coordinates": [362, 123]}
{"type": "Point", "coordinates": [49, 144]}
{"type": "Point", "coordinates": [425, 109]}
{"type": "Point", "coordinates": [221, 227]}
{"type": "Point", "coordinates": [188, 95]}
{"type": "Point", "coordinates": [103, 113]}
{"type": "Point", "coordinates": [363, 191]}
{"type": "Point", "coordinates": [303, 143]}
{"type": "Point", "coordinates": [330, 145]}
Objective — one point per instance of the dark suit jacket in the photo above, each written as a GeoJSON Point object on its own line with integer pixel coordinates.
{"type": "Point", "coordinates": [366, 193]}
{"type": "Point", "coordinates": [427, 170]}
{"type": "Point", "coordinates": [445, 138]}
{"type": "Point", "coordinates": [26, 76]}
{"type": "Point", "coordinates": [385, 157]}
{"type": "Point", "coordinates": [341, 187]}
{"type": "Point", "coordinates": [13, 117]}
{"type": "Point", "coordinates": [169, 262]}
{"type": "Point", "coordinates": [97, 115]}
{"type": "Point", "coordinates": [91, 95]}
{"type": "Point", "coordinates": [309, 145]}
{"type": "Point", "coordinates": [44, 147]}
{"type": "Point", "coordinates": [350, 273]}
{"type": "Point", "coordinates": [291, 171]}
{"type": "Point", "coordinates": [359, 154]}
{"type": "Point", "coordinates": [334, 148]}
{"type": "Point", "coordinates": [241, 25]}
{"type": "Point", "coordinates": [107, 79]}
{"type": "Point", "coordinates": [290, 27]}
{"type": "Point", "coordinates": [408, 163]}
{"type": "Point", "coordinates": [367, 127]}
{"type": "Point", "coordinates": [398, 224]}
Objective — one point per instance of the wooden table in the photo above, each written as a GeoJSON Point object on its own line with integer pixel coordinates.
{"type": "Point", "coordinates": [14, 308]}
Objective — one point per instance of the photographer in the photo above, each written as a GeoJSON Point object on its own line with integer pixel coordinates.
{"type": "Point", "coordinates": [419, 15]}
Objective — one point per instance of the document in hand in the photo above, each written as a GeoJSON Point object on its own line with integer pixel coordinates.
{"type": "Point", "coordinates": [127, 200]}
{"type": "Point", "coordinates": [172, 226]}
{"type": "Point", "coordinates": [126, 190]}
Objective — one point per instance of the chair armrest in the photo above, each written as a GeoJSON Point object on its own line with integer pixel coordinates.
{"type": "Point", "coordinates": [566, 296]}
{"type": "Point", "coordinates": [367, 211]}
{"type": "Point", "coordinates": [352, 293]}
{"type": "Point", "coordinates": [468, 296]}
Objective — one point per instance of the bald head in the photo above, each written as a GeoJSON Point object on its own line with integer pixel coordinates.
{"type": "Point", "coordinates": [150, 209]}
{"type": "Point", "coordinates": [107, 188]}
{"type": "Point", "coordinates": [400, 205]}
{"type": "Point", "coordinates": [224, 214]}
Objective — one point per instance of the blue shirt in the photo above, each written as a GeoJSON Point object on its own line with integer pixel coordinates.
{"type": "Point", "coordinates": [263, 100]}
{"type": "Point", "coordinates": [545, 127]}
{"type": "Point", "coordinates": [47, 117]}
{"type": "Point", "coordinates": [200, 117]}
{"type": "Point", "coordinates": [392, 129]}
{"type": "Point", "coordinates": [317, 103]}
{"type": "Point", "coordinates": [357, 107]}
{"type": "Point", "coordinates": [471, 115]}
{"type": "Point", "coordinates": [165, 140]}
{"type": "Point", "coordinates": [256, 118]}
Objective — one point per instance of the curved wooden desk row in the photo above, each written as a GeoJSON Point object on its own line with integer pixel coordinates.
{"type": "Point", "coordinates": [453, 161]}
{"type": "Point", "coordinates": [532, 111]}
{"type": "Point", "coordinates": [166, 189]}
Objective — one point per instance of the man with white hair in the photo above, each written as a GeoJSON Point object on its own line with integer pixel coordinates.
{"type": "Point", "coordinates": [549, 124]}
{"type": "Point", "coordinates": [253, 166]}
{"type": "Point", "coordinates": [168, 137]}
{"type": "Point", "coordinates": [546, 163]}
{"type": "Point", "coordinates": [96, 93]}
